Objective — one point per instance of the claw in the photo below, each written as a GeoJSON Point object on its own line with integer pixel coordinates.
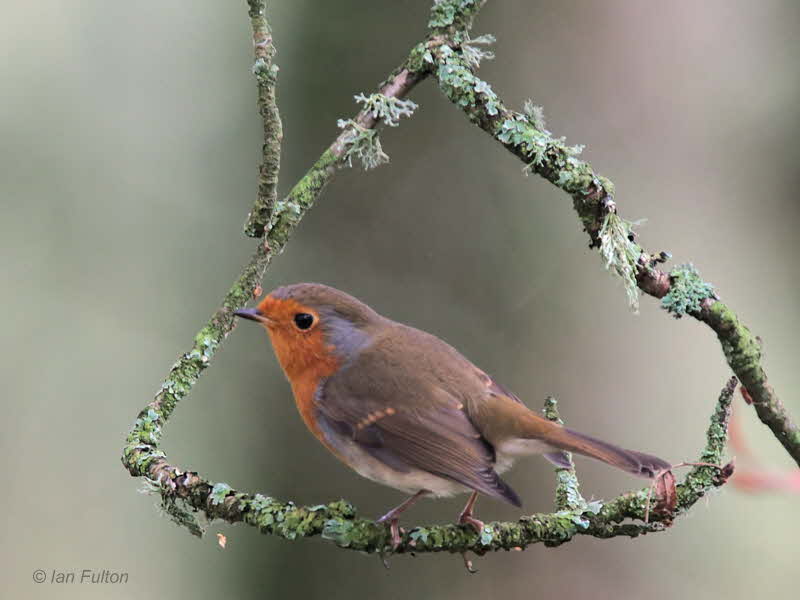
{"type": "Point", "coordinates": [468, 564]}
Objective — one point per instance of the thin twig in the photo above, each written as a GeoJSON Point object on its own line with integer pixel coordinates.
{"type": "Point", "coordinates": [266, 73]}
{"type": "Point", "coordinates": [568, 495]}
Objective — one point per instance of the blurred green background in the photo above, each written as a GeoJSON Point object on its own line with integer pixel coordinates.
{"type": "Point", "coordinates": [128, 159]}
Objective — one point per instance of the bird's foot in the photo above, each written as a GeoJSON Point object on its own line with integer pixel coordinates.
{"type": "Point", "coordinates": [392, 516]}
{"type": "Point", "coordinates": [476, 524]}
{"type": "Point", "coordinates": [466, 518]}
{"type": "Point", "coordinates": [394, 529]}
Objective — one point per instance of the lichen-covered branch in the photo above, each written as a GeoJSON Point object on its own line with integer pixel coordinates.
{"type": "Point", "coordinates": [525, 135]}
{"type": "Point", "coordinates": [266, 73]}
{"type": "Point", "coordinates": [743, 352]}
{"type": "Point", "coordinates": [568, 495]}
{"type": "Point", "coordinates": [452, 56]}
{"type": "Point", "coordinates": [364, 144]}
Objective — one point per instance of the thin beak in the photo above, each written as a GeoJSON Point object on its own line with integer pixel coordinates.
{"type": "Point", "coordinates": [253, 314]}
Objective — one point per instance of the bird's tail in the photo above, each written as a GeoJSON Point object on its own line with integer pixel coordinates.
{"type": "Point", "coordinates": [637, 463]}
{"type": "Point", "coordinates": [525, 432]}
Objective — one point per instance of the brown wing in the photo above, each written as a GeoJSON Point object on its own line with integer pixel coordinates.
{"type": "Point", "coordinates": [407, 420]}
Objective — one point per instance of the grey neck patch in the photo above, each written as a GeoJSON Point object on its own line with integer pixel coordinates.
{"type": "Point", "coordinates": [346, 338]}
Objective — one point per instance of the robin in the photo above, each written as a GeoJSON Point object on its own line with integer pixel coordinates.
{"type": "Point", "coordinates": [403, 408]}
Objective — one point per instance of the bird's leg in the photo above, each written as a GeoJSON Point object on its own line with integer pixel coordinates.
{"type": "Point", "coordinates": [392, 516]}
{"type": "Point", "coordinates": [466, 518]}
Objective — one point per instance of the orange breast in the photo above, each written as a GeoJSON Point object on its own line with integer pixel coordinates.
{"type": "Point", "coordinates": [304, 356]}
{"type": "Point", "coordinates": [304, 390]}
{"type": "Point", "coordinates": [307, 360]}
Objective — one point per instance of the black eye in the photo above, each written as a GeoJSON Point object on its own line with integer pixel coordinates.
{"type": "Point", "coordinates": [303, 320]}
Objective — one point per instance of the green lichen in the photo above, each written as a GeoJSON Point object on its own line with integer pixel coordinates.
{"type": "Point", "coordinates": [620, 253]}
{"type": "Point", "coordinates": [419, 59]}
{"type": "Point", "coordinates": [219, 492]}
{"type": "Point", "coordinates": [265, 72]}
{"type": "Point", "coordinates": [339, 532]}
{"type": "Point", "coordinates": [460, 84]}
{"type": "Point", "coordinates": [147, 427]}
{"type": "Point", "coordinates": [535, 114]}
{"type": "Point", "coordinates": [568, 495]}
{"type": "Point", "coordinates": [364, 143]}
{"type": "Point", "coordinates": [604, 183]}
{"type": "Point", "coordinates": [456, 79]}
{"type": "Point", "coordinates": [419, 533]}
{"type": "Point", "coordinates": [289, 521]}
{"type": "Point", "coordinates": [520, 133]}
{"type": "Point", "coordinates": [266, 75]}
{"type": "Point", "coordinates": [472, 50]}
{"type": "Point", "coordinates": [487, 535]}
{"type": "Point", "coordinates": [525, 134]}
{"type": "Point", "coordinates": [742, 349]}
{"type": "Point", "coordinates": [453, 15]}
{"type": "Point", "coordinates": [287, 213]}
{"type": "Point", "coordinates": [387, 109]}
{"type": "Point", "coordinates": [743, 352]}
{"type": "Point", "coordinates": [142, 456]}
{"type": "Point", "coordinates": [687, 291]}
{"type": "Point", "coordinates": [550, 410]}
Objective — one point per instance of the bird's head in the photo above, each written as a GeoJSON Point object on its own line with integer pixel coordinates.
{"type": "Point", "coordinates": [311, 324]}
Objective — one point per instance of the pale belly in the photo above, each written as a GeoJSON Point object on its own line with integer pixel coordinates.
{"type": "Point", "coordinates": [412, 481]}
